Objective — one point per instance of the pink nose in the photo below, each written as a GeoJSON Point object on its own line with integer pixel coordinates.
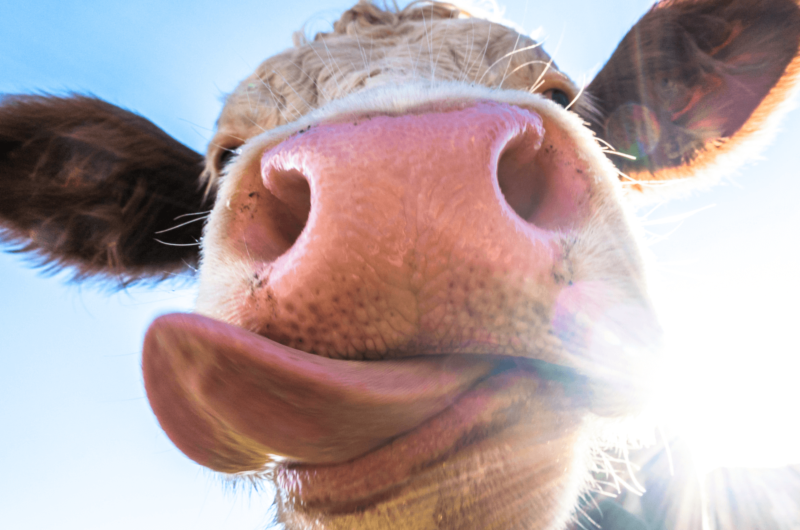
{"type": "Point", "coordinates": [369, 215]}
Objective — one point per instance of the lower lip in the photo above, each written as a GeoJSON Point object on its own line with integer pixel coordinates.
{"type": "Point", "coordinates": [497, 403]}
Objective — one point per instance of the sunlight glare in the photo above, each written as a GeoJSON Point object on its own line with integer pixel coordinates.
{"type": "Point", "coordinates": [729, 384]}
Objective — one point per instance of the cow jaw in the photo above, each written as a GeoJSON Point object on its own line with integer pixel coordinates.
{"type": "Point", "coordinates": [233, 400]}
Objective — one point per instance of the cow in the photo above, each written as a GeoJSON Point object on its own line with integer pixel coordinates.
{"type": "Point", "coordinates": [572, 340]}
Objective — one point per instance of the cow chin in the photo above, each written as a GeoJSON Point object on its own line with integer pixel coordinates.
{"type": "Point", "coordinates": [522, 477]}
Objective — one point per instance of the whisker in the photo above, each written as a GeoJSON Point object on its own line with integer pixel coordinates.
{"type": "Point", "coordinates": [588, 518]}
{"type": "Point", "coordinates": [636, 491]}
{"type": "Point", "coordinates": [678, 217]}
{"type": "Point", "coordinates": [631, 474]}
{"type": "Point", "coordinates": [520, 67]}
{"type": "Point", "coordinates": [594, 501]}
{"type": "Point", "coordinates": [617, 153]}
{"type": "Point", "coordinates": [189, 266]}
{"type": "Point", "coordinates": [509, 54]}
{"type": "Point", "coordinates": [278, 101]}
{"type": "Point", "coordinates": [656, 238]}
{"type": "Point", "coordinates": [293, 90]}
{"type": "Point", "coordinates": [428, 39]}
{"type": "Point", "coordinates": [414, 63]}
{"type": "Point", "coordinates": [652, 210]}
{"type": "Point", "coordinates": [333, 74]}
{"type": "Point", "coordinates": [580, 93]}
{"type": "Point", "coordinates": [470, 46]}
{"type": "Point", "coordinates": [603, 141]}
{"type": "Point", "coordinates": [478, 61]}
{"type": "Point", "coordinates": [611, 485]}
{"type": "Point", "coordinates": [508, 64]}
{"type": "Point", "coordinates": [606, 493]}
{"type": "Point", "coordinates": [626, 177]}
{"type": "Point", "coordinates": [371, 49]}
{"type": "Point", "coordinates": [539, 80]}
{"type": "Point", "coordinates": [549, 64]}
{"type": "Point", "coordinates": [535, 87]}
{"type": "Point", "coordinates": [190, 214]}
{"type": "Point", "coordinates": [197, 244]}
{"type": "Point", "coordinates": [441, 47]}
{"type": "Point", "coordinates": [333, 61]}
{"type": "Point", "coordinates": [201, 135]}
{"type": "Point", "coordinates": [609, 471]}
{"type": "Point", "coordinates": [247, 249]}
{"type": "Point", "coordinates": [314, 81]}
{"type": "Point", "coordinates": [361, 52]}
{"type": "Point", "coordinates": [250, 105]}
{"type": "Point", "coordinates": [182, 224]}
{"type": "Point", "coordinates": [196, 125]}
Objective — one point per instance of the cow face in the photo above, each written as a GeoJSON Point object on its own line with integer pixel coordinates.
{"type": "Point", "coordinates": [421, 301]}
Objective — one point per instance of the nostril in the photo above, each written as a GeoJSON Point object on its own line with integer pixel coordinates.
{"type": "Point", "coordinates": [292, 203]}
{"type": "Point", "coordinates": [523, 186]}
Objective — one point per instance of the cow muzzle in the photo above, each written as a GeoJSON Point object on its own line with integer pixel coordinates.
{"type": "Point", "coordinates": [397, 283]}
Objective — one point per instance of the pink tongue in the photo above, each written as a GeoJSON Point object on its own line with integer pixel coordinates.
{"type": "Point", "coordinates": [228, 398]}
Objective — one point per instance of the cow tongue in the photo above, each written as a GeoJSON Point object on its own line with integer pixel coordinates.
{"type": "Point", "coordinates": [229, 398]}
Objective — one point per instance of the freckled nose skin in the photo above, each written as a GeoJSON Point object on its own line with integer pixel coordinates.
{"type": "Point", "coordinates": [410, 245]}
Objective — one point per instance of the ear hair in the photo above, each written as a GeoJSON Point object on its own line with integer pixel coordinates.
{"type": "Point", "coordinates": [88, 185]}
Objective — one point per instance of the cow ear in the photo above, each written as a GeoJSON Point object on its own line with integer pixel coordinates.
{"type": "Point", "coordinates": [696, 86]}
{"type": "Point", "coordinates": [88, 185]}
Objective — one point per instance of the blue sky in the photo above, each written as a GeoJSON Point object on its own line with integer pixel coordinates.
{"type": "Point", "coordinates": [80, 448]}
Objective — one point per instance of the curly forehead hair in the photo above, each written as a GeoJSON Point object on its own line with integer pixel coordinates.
{"type": "Point", "coordinates": [366, 17]}
{"type": "Point", "coordinates": [371, 46]}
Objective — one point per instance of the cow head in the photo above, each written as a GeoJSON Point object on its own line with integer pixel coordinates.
{"type": "Point", "coordinates": [422, 302]}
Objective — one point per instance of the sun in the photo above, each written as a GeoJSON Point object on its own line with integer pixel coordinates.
{"type": "Point", "coordinates": [728, 380]}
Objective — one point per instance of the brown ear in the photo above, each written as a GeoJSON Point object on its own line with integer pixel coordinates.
{"type": "Point", "coordinates": [89, 185]}
{"type": "Point", "coordinates": [696, 79]}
